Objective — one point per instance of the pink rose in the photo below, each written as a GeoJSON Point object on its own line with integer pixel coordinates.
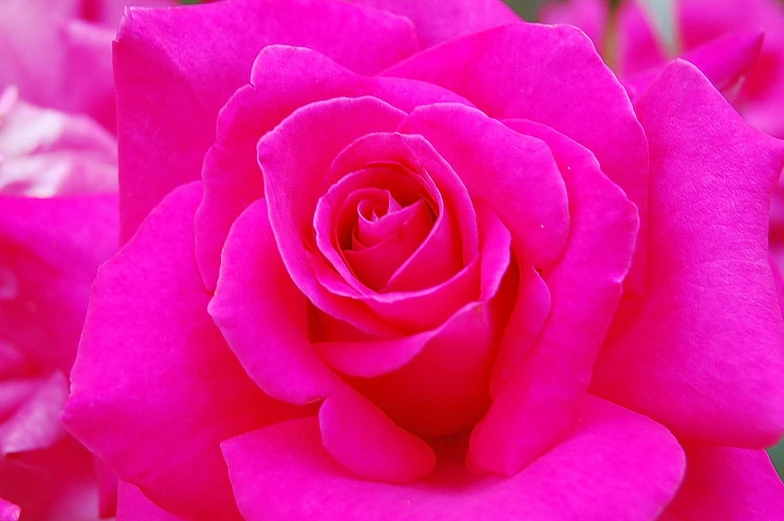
{"type": "Point", "coordinates": [57, 52]}
{"type": "Point", "coordinates": [57, 223]}
{"type": "Point", "coordinates": [380, 265]}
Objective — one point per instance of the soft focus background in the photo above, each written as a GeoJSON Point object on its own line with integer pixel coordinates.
{"type": "Point", "coordinates": [528, 10]}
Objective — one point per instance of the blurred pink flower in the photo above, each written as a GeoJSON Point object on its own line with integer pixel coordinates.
{"type": "Point", "coordinates": [58, 52]}
{"type": "Point", "coordinates": [58, 222]}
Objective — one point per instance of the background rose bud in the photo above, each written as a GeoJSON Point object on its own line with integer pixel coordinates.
{"type": "Point", "coordinates": [454, 275]}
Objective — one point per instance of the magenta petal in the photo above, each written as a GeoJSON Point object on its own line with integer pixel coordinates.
{"type": "Point", "coordinates": [36, 423]}
{"type": "Point", "coordinates": [539, 404]}
{"type": "Point", "coordinates": [357, 434]}
{"type": "Point", "coordinates": [437, 21]}
{"type": "Point", "coordinates": [50, 250]}
{"type": "Point", "coordinates": [703, 350]}
{"type": "Point", "coordinates": [554, 76]}
{"type": "Point", "coordinates": [171, 380]}
{"type": "Point", "coordinates": [132, 505]}
{"type": "Point", "coordinates": [264, 317]}
{"type": "Point", "coordinates": [617, 466]}
{"type": "Point", "coordinates": [175, 68]}
{"type": "Point", "coordinates": [515, 174]}
{"type": "Point", "coordinates": [9, 511]}
{"type": "Point", "coordinates": [728, 484]}
{"type": "Point", "coordinates": [295, 164]}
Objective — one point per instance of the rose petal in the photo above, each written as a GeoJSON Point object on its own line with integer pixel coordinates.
{"type": "Point", "coordinates": [175, 68]}
{"type": "Point", "coordinates": [729, 484]}
{"type": "Point", "coordinates": [703, 350]}
{"type": "Point", "coordinates": [551, 75]}
{"type": "Point", "coordinates": [539, 404]}
{"type": "Point", "coordinates": [283, 80]}
{"type": "Point", "coordinates": [438, 21]}
{"type": "Point", "coordinates": [132, 505]}
{"type": "Point", "coordinates": [618, 466]}
{"type": "Point", "coordinates": [516, 174]}
{"type": "Point", "coordinates": [36, 423]}
{"type": "Point", "coordinates": [171, 379]}
{"type": "Point", "coordinates": [50, 250]}
{"type": "Point", "coordinates": [264, 317]}
{"type": "Point", "coordinates": [9, 511]}
{"type": "Point", "coordinates": [357, 434]}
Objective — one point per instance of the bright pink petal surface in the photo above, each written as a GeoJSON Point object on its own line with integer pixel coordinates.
{"type": "Point", "coordinates": [264, 317]}
{"type": "Point", "coordinates": [283, 80]}
{"type": "Point", "coordinates": [554, 76]}
{"type": "Point", "coordinates": [9, 511]}
{"type": "Point", "coordinates": [171, 380]}
{"type": "Point", "coordinates": [437, 21]}
{"type": "Point", "coordinates": [539, 403]}
{"type": "Point", "coordinates": [132, 505]}
{"type": "Point", "coordinates": [176, 68]}
{"type": "Point", "coordinates": [282, 472]}
{"type": "Point", "coordinates": [702, 351]}
{"type": "Point", "coordinates": [362, 438]}
{"type": "Point", "coordinates": [728, 484]}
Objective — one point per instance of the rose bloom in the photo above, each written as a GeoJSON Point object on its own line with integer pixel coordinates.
{"type": "Point", "coordinates": [57, 224]}
{"type": "Point", "coordinates": [401, 261]}
{"type": "Point", "coordinates": [58, 52]}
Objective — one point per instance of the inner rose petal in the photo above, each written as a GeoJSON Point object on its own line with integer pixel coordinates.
{"type": "Point", "coordinates": [368, 269]}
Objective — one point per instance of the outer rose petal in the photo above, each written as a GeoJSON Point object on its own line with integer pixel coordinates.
{"type": "Point", "coordinates": [176, 68]}
{"type": "Point", "coordinates": [436, 21]}
{"type": "Point", "coordinates": [264, 317]}
{"type": "Point", "coordinates": [133, 506]}
{"type": "Point", "coordinates": [592, 16]}
{"type": "Point", "coordinates": [539, 402]}
{"type": "Point", "coordinates": [170, 380]}
{"type": "Point", "coordinates": [551, 75]}
{"type": "Point", "coordinates": [728, 484]}
{"type": "Point", "coordinates": [617, 466]}
{"type": "Point", "coordinates": [702, 351]}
